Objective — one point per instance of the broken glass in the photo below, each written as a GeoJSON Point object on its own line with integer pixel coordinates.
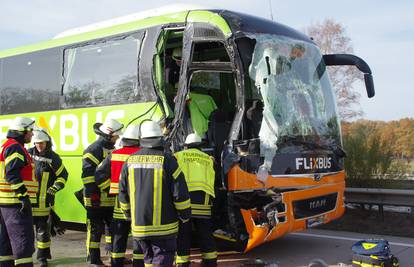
{"type": "Point", "coordinates": [298, 98]}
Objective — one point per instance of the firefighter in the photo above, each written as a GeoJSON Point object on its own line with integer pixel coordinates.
{"type": "Point", "coordinates": [153, 191]}
{"type": "Point", "coordinates": [18, 190]}
{"type": "Point", "coordinates": [107, 178]}
{"type": "Point", "coordinates": [198, 169]}
{"type": "Point", "coordinates": [51, 175]}
{"type": "Point", "coordinates": [99, 206]}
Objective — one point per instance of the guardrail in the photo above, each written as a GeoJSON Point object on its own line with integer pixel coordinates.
{"type": "Point", "coordinates": [380, 197]}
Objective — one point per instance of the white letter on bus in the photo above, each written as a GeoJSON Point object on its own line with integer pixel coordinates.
{"type": "Point", "coordinates": [72, 131]}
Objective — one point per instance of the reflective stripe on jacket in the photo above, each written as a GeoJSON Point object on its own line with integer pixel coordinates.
{"type": "Point", "coordinates": [198, 169]}
{"type": "Point", "coordinates": [118, 159]}
{"type": "Point", "coordinates": [14, 155]}
{"type": "Point", "coordinates": [152, 187]}
{"type": "Point", "coordinates": [92, 157]}
{"type": "Point", "coordinates": [50, 173]}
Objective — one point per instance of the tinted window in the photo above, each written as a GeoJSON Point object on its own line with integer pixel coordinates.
{"type": "Point", "coordinates": [103, 73]}
{"type": "Point", "coordinates": [210, 51]}
{"type": "Point", "coordinates": [219, 85]}
{"type": "Point", "coordinates": [31, 82]}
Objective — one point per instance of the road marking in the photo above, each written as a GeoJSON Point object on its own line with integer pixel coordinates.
{"type": "Point", "coordinates": [348, 238]}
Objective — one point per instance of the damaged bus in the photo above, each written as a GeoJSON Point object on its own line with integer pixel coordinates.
{"type": "Point", "coordinates": [256, 90]}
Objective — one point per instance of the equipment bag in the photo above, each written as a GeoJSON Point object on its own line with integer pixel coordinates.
{"type": "Point", "coordinates": [373, 252]}
{"type": "Point", "coordinates": [378, 247]}
{"type": "Point", "coordinates": [374, 261]}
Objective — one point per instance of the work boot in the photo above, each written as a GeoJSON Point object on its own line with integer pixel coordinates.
{"type": "Point", "coordinates": [94, 258]}
{"type": "Point", "coordinates": [42, 262]}
{"type": "Point", "coordinates": [97, 264]}
{"type": "Point", "coordinates": [209, 263]}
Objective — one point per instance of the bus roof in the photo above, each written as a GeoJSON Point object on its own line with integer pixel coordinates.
{"type": "Point", "coordinates": [164, 10]}
{"type": "Point", "coordinates": [228, 21]}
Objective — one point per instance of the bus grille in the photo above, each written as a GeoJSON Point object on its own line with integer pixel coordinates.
{"type": "Point", "coordinates": [313, 206]}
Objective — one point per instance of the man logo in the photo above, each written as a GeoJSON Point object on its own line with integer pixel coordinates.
{"type": "Point", "coordinates": [316, 204]}
{"type": "Point", "coordinates": [317, 177]}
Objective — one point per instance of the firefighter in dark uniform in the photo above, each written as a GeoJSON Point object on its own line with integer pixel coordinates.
{"type": "Point", "coordinates": [107, 178]}
{"type": "Point", "coordinates": [51, 175]}
{"type": "Point", "coordinates": [99, 206]}
{"type": "Point", "coordinates": [18, 188]}
{"type": "Point", "coordinates": [152, 189]}
{"type": "Point", "coordinates": [198, 169]}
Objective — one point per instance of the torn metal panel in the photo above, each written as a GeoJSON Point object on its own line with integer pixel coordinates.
{"type": "Point", "coordinates": [148, 50]}
{"type": "Point", "coordinates": [239, 82]}
{"type": "Point", "coordinates": [202, 32]}
{"type": "Point", "coordinates": [177, 134]}
{"type": "Point", "coordinates": [243, 23]}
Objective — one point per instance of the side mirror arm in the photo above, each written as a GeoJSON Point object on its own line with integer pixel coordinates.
{"type": "Point", "coordinates": [352, 60]}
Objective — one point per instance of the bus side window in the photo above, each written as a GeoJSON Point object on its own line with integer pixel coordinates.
{"type": "Point", "coordinates": [31, 82]}
{"type": "Point", "coordinates": [103, 73]}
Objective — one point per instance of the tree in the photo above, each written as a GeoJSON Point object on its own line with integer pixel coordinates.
{"type": "Point", "coordinates": [367, 155]}
{"type": "Point", "coordinates": [331, 38]}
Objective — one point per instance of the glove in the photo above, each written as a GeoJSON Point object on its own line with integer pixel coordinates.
{"type": "Point", "coordinates": [127, 214]}
{"type": "Point", "coordinates": [184, 220]}
{"type": "Point", "coordinates": [26, 205]}
{"type": "Point", "coordinates": [50, 200]}
{"type": "Point", "coordinates": [56, 226]}
{"type": "Point", "coordinates": [50, 196]}
{"type": "Point", "coordinates": [52, 190]}
{"type": "Point", "coordinates": [95, 200]}
{"type": "Point", "coordinates": [79, 196]}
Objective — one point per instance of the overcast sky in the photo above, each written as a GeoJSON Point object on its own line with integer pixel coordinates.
{"type": "Point", "coordinates": [382, 33]}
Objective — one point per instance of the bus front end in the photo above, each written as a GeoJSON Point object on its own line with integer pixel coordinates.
{"type": "Point", "coordinates": [285, 172]}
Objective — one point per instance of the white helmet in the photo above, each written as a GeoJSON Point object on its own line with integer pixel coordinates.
{"type": "Point", "coordinates": [22, 124]}
{"type": "Point", "coordinates": [111, 127]}
{"type": "Point", "coordinates": [131, 132]}
{"type": "Point", "coordinates": [192, 139]}
{"type": "Point", "coordinates": [40, 135]}
{"type": "Point", "coordinates": [150, 129]}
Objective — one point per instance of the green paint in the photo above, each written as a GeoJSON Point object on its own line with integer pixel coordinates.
{"type": "Point", "coordinates": [72, 131]}
{"type": "Point", "coordinates": [211, 18]}
{"type": "Point", "coordinates": [180, 17]}
{"type": "Point", "coordinates": [101, 33]}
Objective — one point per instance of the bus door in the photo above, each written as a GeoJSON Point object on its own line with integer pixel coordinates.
{"type": "Point", "coordinates": [207, 92]}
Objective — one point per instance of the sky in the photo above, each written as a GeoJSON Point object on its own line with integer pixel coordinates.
{"type": "Point", "coordinates": [382, 33]}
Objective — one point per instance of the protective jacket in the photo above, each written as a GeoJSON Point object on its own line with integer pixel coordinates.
{"type": "Point", "coordinates": [107, 175]}
{"type": "Point", "coordinates": [51, 174]}
{"type": "Point", "coordinates": [16, 173]}
{"type": "Point", "coordinates": [92, 157]}
{"type": "Point", "coordinates": [153, 189]}
{"type": "Point", "coordinates": [200, 106]}
{"type": "Point", "coordinates": [198, 169]}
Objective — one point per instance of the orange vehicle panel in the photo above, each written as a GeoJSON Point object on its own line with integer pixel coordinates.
{"type": "Point", "coordinates": [259, 234]}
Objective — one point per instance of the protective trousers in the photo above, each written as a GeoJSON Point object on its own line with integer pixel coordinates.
{"type": "Point", "coordinates": [121, 230]}
{"type": "Point", "coordinates": [16, 236]}
{"type": "Point", "coordinates": [157, 252]}
{"type": "Point", "coordinates": [42, 237]}
{"type": "Point", "coordinates": [207, 244]}
{"type": "Point", "coordinates": [98, 224]}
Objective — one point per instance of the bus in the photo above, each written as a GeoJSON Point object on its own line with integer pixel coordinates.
{"type": "Point", "coordinates": [272, 124]}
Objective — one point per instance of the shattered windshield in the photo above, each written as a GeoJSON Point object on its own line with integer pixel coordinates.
{"type": "Point", "coordinates": [298, 102]}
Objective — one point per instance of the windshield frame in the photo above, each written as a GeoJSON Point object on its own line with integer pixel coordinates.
{"type": "Point", "coordinates": [319, 70]}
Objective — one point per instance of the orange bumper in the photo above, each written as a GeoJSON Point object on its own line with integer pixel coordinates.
{"type": "Point", "coordinates": [259, 234]}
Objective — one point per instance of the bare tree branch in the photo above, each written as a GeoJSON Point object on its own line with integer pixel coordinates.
{"type": "Point", "coordinates": [331, 38]}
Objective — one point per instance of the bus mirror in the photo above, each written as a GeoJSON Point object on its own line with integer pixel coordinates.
{"type": "Point", "coordinates": [351, 60]}
{"type": "Point", "coordinates": [369, 84]}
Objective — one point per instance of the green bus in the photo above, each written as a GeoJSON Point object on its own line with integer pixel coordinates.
{"type": "Point", "coordinates": [273, 129]}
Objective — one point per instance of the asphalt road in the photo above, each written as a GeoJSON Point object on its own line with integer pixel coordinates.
{"type": "Point", "coordinates": [293, 250]}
